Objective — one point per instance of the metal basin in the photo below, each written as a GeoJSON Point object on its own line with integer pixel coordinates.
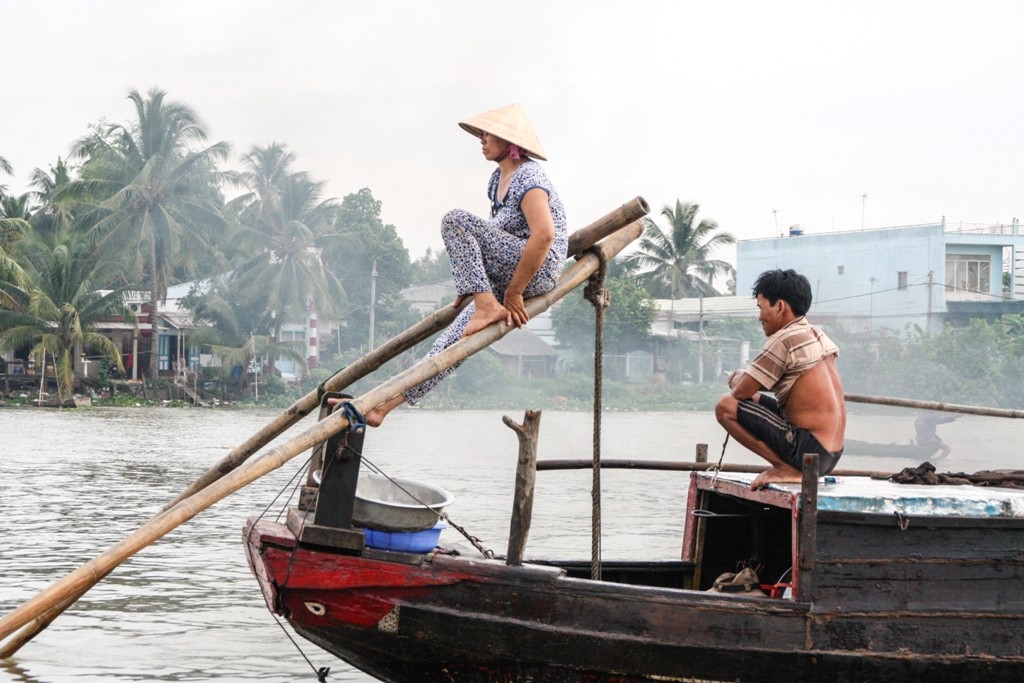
{"type": "Point", "coordinates": [397, 504]}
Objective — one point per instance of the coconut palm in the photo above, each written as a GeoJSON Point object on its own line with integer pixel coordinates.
{"type": "Point", "coordinates": [677, 262]}
{"type": "Point", "coordinates": [5, 167]}
{"type": "Point", "coordinates": [14, 215]}
{"type": "Point", "coordinates": [54, 215]}
{"type": "Point", "coordinates": [237, 327]}
{"type": "Point", "coordinates": [52, 288]}
{"type": "Point", "coordinates": [284, 224]}
{"type": "Point", "coordinates": [154, 187]}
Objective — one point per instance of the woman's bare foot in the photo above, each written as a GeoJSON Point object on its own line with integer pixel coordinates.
{"type": "Point", "coordinates": [776, 475]}
{"type": "Point", "coordinates": [488, 310]}
{"type": "Point", "coordinates": [375, 417]}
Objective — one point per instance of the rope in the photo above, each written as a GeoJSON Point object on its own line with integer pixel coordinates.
{"type": "Point", "coordinates": [600, 297]}
{"type": "Point", "coordinates": [322, 672]}
{"type": "Point", "coordinates": [718, 468]}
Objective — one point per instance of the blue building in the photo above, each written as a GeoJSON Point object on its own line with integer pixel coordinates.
{"type": "Point", "coordinates": [896, 279]}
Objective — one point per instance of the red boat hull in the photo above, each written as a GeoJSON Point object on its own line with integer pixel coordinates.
{"type": "Point", "coordinates": [421, 618]}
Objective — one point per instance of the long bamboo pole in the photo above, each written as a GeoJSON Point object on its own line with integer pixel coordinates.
{"type": "Point", "coordinates": [679, 466]}
{"type": "Point", "coordinates": [62, 592]}
{"type": "Point", "coordinates": [579, 241]}
{"type": "Point", "coordinates": [934, 405]}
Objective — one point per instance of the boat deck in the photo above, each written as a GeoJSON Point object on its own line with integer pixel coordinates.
{"type": "Point", "coordinates": [879, 496]}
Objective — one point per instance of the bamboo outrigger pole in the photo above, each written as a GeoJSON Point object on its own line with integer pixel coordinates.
{"type": "Point", "coordinates": [579, 241]}
{"type": "Point", "coordinates": [682, 466]}
{"type": "Point", "coordinates": [52, 600]}
{"type": "Point", "coordinates": [934, 405]}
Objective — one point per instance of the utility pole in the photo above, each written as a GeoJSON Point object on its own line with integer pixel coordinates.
{"type": "Point", "coordinates": [373, 301]}
{"type": "Point", "coordinates": [928, 315]}
{"type": "Point", "coordinates": [863, 203]}
{"type": "Point", "coordinates": [700, 333]}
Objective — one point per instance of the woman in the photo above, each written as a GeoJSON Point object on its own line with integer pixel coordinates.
{"type": "Point", "coordinates": [518, 253]}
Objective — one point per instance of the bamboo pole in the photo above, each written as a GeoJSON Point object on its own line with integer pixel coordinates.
{"type": "Point", "coordinates": [934, 405]}
{"type": "Point", "coordinates": [437, 320]}
{"type": "Point", "coordinates": [579, 241]}
{"type": "Point", "coordinates": [586, 237]}
{"type": "Point", "coordinates": [680, 466]}
{"type": "Point", "coordinates": [63, 592]}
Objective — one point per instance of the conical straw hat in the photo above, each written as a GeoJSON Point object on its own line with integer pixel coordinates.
{"type": "Point", "coordinates": [510, 124]}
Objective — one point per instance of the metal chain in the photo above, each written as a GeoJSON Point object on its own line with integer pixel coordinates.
{"type": "Point", "coordinates": [477, 543]}
{"type": "Point", "coordinates": [443, 516]}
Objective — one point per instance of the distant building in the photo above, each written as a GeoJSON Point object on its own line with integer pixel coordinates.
{"type": "Point", "coordinates": [889, 279]}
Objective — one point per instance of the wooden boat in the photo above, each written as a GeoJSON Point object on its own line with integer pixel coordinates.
{"type": "Point", "coordinates": [871, 581]}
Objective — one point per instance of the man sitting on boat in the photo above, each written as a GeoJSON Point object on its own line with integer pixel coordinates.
{"type": "Point", "coordinates": [807, 413]}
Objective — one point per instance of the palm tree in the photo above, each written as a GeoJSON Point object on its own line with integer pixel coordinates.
{"type": "Point", "coordinates": [15, 212]}
{"type": "Point", "coordinates": [5, 167]}
{"type": "Point", "coordinates": [284, 224]}
{"type": "Point", "coordinates": [53, 215]}
{"type": "Point", "coordinates": [154, 186]}
{"type": "Point", "coordinates": [52, 288]}
{"type": "Point", "coordinates": [237, 327]}
{"type": "Point", "coordinates": [677, 263]}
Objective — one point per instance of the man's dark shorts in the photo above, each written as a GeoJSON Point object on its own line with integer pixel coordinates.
{"type": "Point", "coordinates": [764, 420]}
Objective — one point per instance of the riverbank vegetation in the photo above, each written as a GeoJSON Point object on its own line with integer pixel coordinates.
{"type": "Point", "coordinates": [149, 204]}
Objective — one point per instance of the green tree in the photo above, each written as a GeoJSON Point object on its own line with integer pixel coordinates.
{"type": "Point", "coordinates": [432, 267]}
{"type": "Point", "coordinates": [370, 243]}
{"type": "Point", "coordinates": [285, 224]}
{"type": "Point", "coordinates": [5, 167]}
{"type": "Point", "coordinates": [55, 215]}
{"type": "Point", "coordinates": [678, 262]}
{"type": "Point", "coordinates": [627, 320]}
{"type": "Point", "coordinates": [56, 303]}
{"type": "Point", "coordinates": [154, 186]}
{"type": "Point", "coordinates": [237, 327]}
{"type": "Point", "coordinates": [14, 216]}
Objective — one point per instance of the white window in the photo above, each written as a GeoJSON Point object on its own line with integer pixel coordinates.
{"type": "Point", "coordinates": [968, 273]}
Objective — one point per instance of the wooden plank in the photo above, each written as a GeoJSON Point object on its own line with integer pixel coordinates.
{"type": "Point", "coordinates": [803, 573]}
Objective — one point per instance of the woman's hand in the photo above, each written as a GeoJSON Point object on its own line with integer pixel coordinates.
{"type": "Point", "coordinates": [516, 307]}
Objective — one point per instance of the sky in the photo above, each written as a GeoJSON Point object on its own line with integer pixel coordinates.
{"type": "Point", "coordinates": [827, 115]}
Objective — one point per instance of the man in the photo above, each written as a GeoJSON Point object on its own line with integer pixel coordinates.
{"type": "Point", "coordinates": [798, 365]}
{"type": "Point", "coordinates": [925, 435]}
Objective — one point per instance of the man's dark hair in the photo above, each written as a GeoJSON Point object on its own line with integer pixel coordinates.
{"type": "Point", "coordinates": [788, 285]}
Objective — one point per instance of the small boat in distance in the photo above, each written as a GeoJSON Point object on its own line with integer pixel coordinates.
{"type": "Point", "coordinates": [909, 451]}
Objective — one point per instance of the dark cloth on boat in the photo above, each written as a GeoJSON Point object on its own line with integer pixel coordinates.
{"type": "Point", "coordinates": [925, 474]}
{"type": "Point", "coordinates": [763, 419]}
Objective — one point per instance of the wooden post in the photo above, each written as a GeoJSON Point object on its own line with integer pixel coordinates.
{"type": "Point", "coordinates": [526, 475]}
{"type": "Point", "coordinates": [808, 528]}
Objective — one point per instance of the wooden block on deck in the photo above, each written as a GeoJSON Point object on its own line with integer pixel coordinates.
{"type": "Point", "coordinates": [300, 524]}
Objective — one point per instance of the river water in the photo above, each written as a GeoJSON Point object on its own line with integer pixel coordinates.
{"type": "Point", "coordinates": [73, 483]}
